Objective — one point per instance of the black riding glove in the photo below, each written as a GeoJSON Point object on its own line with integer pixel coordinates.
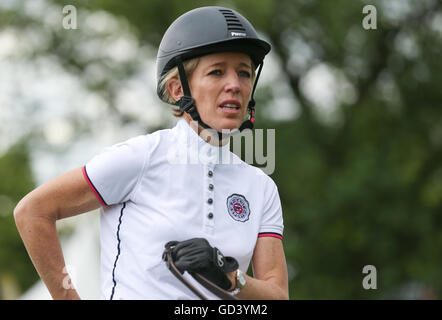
{"type": "Point", "coordinates": [197, 255]}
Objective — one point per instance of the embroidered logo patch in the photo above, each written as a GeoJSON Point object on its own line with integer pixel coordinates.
{"type": "Point", "coordinates": [238, 207]}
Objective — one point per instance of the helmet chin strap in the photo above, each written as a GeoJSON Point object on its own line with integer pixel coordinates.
{"type": "Point", "coordinates": [187, 103]}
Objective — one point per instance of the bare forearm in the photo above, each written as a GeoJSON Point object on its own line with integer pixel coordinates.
{"type": "Point", "coordinates": [256, 289]}
{"type": "Point", "coordinates": [41, 240]}
{"type": "Point", "coordinates": [35, 215]}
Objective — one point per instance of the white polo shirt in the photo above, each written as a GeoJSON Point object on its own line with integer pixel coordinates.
{"type": "Point", "coordinates": [172, 185]}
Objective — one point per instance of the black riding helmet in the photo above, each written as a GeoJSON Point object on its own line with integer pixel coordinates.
{"type": "Point", "coordinates": [204, 31]}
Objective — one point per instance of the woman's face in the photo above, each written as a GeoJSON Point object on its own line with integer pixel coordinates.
{"type": "Point", "coordinates": [221, 86]}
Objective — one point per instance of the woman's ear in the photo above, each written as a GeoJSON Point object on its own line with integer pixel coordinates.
{"type": "Point", "coordinates": [175, 89]}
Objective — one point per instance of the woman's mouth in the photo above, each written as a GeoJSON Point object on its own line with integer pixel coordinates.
{"type": "Point", "coordinates": [230, 108]}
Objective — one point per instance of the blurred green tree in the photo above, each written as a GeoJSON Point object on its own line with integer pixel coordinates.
{"type": "Point", "coordinates": [17, 180]}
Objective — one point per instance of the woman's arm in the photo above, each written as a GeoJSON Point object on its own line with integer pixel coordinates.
{"type": "Point", "coordinates": [35, 216]}
{"type": "Point", "coordinates": [270, 279]}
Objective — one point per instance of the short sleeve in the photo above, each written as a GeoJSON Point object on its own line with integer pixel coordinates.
{"type": "Point", "coordinates": [272, 222]}
{"type": "Point", "coordinates": [114, 173]}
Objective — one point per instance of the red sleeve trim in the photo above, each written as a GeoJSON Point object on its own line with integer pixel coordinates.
{"type": "Point", "coordinates": [270, 234]}
{"type": "Point", "coordinates": [91, 185]}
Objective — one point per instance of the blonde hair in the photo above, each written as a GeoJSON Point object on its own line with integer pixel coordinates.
{"type": "Point", "coordinates": [189, 67]}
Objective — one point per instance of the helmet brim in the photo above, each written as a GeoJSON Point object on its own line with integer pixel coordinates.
{"type": "Point", "coordinates": [256, 49]}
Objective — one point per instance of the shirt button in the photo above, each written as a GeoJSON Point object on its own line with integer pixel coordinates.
{"type": "Point", "coordinates": [210, 201]}
{"type": "Point", "coordinates": [210, 186]}
{"type": "Point", "coordinates": [210, 173]}
{"type": "Point", "coordinates": [210, 215]}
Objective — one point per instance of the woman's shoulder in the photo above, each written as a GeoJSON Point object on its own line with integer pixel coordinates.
{"type": "Point", "coordinates": [150, 139]}
{"type": "Point", "coordinates": [253, 172]}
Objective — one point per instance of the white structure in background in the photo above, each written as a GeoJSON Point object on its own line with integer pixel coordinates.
{"type": "Point", "coordinates": [82, 256]}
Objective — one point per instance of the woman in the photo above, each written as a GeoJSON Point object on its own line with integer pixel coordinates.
{"type": "Point", "coordinates": [215, 215]}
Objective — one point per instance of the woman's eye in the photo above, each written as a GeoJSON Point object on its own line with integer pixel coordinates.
{"type": "Point", "coordinates": [244, 74]}
{"type": "Point", "coordinates": [215, 72]}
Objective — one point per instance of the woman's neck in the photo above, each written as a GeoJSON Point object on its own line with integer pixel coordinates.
{"type": "Point", "coordinates": [208, 135]}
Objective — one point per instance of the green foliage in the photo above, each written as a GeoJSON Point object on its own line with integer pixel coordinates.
{"type": "Point", "coordinates": [17, 180]}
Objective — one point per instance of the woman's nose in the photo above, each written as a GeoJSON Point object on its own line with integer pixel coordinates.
{"type": "Point", "coordinates": [232, 83]}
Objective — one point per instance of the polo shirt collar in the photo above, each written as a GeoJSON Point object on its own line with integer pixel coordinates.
{"type": "Point", "coordinates": [199, 150]}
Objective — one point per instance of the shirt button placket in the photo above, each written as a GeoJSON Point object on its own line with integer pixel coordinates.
{"type": "Point", "coordinates": [209, 187]}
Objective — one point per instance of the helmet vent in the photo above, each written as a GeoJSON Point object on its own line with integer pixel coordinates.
{"type": "Point", "coordinates": [233, 23]}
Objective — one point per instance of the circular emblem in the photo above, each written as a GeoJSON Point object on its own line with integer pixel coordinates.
{"type": "Point", "coordinates": [238, 207]}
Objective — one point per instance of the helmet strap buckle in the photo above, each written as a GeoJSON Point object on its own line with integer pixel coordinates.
{"type": "Point", "coordinates": [186, 103]}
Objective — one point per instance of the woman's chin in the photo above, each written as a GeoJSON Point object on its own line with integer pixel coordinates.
{"type": "Point", "coordinates": [228, 124]}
